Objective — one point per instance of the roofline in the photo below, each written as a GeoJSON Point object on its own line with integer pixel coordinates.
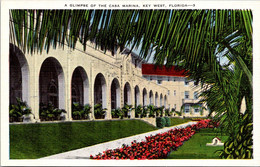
{"type": "Point", "coordinates": [163, 75]}
{"type": "Point", "coordinates": [134, 54]}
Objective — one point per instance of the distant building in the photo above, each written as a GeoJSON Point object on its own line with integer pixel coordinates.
{"type": "Point", "coordinates": [182, 93]}
{"type": "Point", "coordinates": [64, 76]}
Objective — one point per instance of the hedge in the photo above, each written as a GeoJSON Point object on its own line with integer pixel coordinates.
{"type": "Point", "coordinates": [160, 122]}
{"type": "Point", "coordinates": [167, 121]}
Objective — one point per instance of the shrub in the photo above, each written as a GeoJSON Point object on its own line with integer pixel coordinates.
{"type": "Point", "coordinates": [126, 109]}
{"type": "Point", "coordinates": [49, 112]}
{"type": "Point", "coordinates": [117, 113]}
{"type": "Point", "coordinates": [160, 122]}
{"type": "Point", "coordinates": [145, 111]}
{"type": "Point", "coordinates": [151, 110]}
{"type": "Point", "coordinates": [178, 113]}
{"type": "Point", "coordinates": [18, 110]}
{"type": "Point", "coordinates": [80, 112]}
{"type": "Point", "coordinates": [138, 111]}
{"type": "Point", "coordinates": [167, 112]}
{"type": "Point", "coordinates": [167, 121]}
{"type": "Point", "coordinates": [157, 111]}
{"type": "Point", "coordinates": [161, 111]}
{"type": "Point", "coordinates": [99, 111]}
{"type": "Point", "coordinates": [113, 113]}
{"type": "Point", "coordinates": [87, 110]}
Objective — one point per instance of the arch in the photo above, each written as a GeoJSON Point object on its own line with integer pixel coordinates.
{"type": "Point", "coordinates": [144, 97]}
{"type": "Point", "coordinates": [115, 94]}
{"type": "Point", "coordinates": [137, 95]}
{"type": "Point", "coordinates": [161, 100]}
{"type": "Point", "coordinates": [80, 86]}
{"type": "Point", "coordinates": [165, 101]}
{"type": "Point", "coordinates": [51, 83]}
{"type": "Point", "coordinates": [19, 75]}
{"type": "Point", "coordinates": [127, 93]}
{"type": "Point", "coordinates": [156, 99]}
{"type": "Point", "coordinates": [100, 90]}
{"type": "Point", "coordinates": [151, 97]}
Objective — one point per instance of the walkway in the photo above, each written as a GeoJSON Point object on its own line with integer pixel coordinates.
{"type": "Point", "coordinates": [84, 153]}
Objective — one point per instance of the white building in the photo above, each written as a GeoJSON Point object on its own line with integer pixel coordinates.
{"type": "Point", "coordinates": [64, 76]}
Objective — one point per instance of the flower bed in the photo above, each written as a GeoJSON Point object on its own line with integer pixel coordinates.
{"type": "Point", "coordinates": [155, 147]}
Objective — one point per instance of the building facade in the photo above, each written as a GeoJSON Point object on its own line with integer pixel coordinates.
{"type": "Point", "coordinates": [183, 94]}
{"type": "Point", "coordinates": [64, 76]}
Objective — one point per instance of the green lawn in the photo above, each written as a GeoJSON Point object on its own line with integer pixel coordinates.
{"type": "Point", "coordinates": [30, 141]}
{"type": "Point", "coordinates": [177, 121]}
{"type": "Point", "coordinates": [196, 148]}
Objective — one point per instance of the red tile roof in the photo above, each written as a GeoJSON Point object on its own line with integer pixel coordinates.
{"type": "Point", "coordinates": [151, 69]}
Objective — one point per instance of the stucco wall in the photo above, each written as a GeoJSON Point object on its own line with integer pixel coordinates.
{"type": "Point", "coordinates": [92, 62]}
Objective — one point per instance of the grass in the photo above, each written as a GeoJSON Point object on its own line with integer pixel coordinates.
{"type": "Point", "coordinates": [31, 141]}
{"type": "Point", "coordinates": [177, 121]}
{"type": "Point", "coordinates": [196, 148]}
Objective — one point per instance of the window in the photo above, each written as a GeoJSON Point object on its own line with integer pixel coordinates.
{"type": "Point", "coordinates": [174, 79]}
{"type": "Point", "coordinates": [187, 108]}
{"type": "Point", "coordinates": [159, 80]}
{"type": "Point", "coordinates": [151, 78]}
{"type": "Point", "coordinates": [186, 82]}
{"type": "Point", "coordinates": [186, 94]}
{"type": "Point", "coordinates": [175, 106]}
{"type": "Point", "coordinates": [168, 92]}
{"type": "Point", "coordinates": [169, 79]}
{"type": "Point", "coordinates": [136, 63]}
{"type": "Point", "coordinates": [196, 95]}
{"type": "Point", "coordinates": [174, 93]}
{"type": "Point", "coordinates": [196, 110]}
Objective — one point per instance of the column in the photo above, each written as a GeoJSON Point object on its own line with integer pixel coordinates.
{"type": "Point", "coordinates": [34, 86]}
{"type": "Point", "coordinates": [108, 100]}
{"type": "Point", "coordinates": [91, 91]}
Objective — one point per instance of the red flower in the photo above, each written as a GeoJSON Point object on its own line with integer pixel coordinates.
{"type": "Point", "coordinates": [157, 146]}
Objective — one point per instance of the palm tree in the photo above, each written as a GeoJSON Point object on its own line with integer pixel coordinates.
{"type": "Point", "coordinates": [193, 39]}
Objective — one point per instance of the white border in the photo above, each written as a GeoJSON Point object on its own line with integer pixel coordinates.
{"type": "Point", "coordinates": [23, 4]}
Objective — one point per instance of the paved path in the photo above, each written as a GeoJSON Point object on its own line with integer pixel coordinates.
{"type": "Point", "coordinates": [84, 153]}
